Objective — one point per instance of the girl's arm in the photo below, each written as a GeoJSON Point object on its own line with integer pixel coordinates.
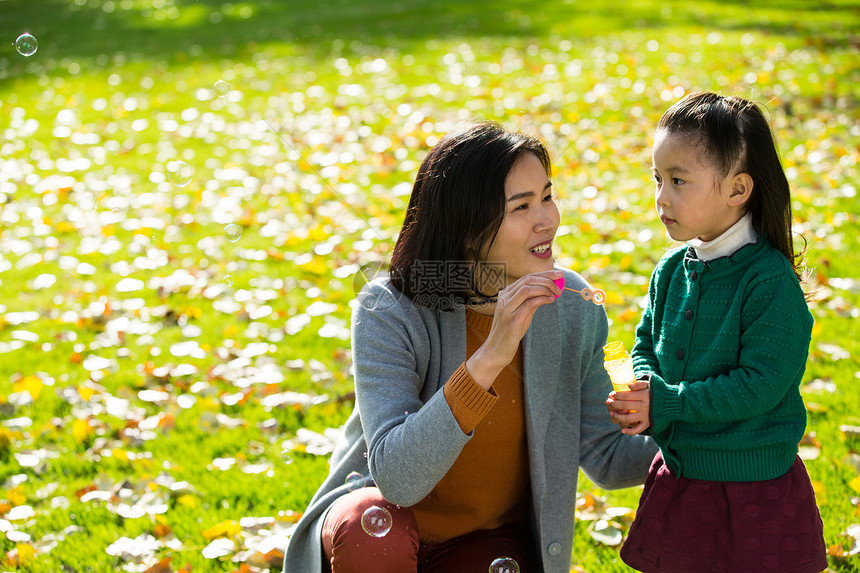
{"type": "Point", "coordinates": [644, 358]}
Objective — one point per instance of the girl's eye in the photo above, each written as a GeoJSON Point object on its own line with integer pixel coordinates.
{"type": "Point", "coordinates": [677, 181]}
{"type": "Point", "coordinates": [657, 178]}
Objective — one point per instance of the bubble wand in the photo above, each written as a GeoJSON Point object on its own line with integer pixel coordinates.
{"type": "Point", "coordinates": [597, 296]}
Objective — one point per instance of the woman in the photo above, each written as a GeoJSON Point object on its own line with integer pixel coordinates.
{"type": "Point", "coordinates": [479, 393]}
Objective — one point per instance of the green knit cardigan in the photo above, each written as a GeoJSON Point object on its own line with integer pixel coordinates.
{"type": "Point", "coordinates": [725, 344]}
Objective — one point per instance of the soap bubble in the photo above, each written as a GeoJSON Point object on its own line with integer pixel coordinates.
{"type": "Point", "coordinates": [353, 481]}
{"type": "Point", "coordinates": [228, 280]}
{"type": "Point", "coordinates": [179, 173]}
{"type": "Point", "coordinates": [233, 232]}
{"type": "Point", "coordinates": [26, 44]}
{"type": "Point", "coordinates": [376, 521]}
{"type": "Point", "coordinates": [222, 88]}
{"type": "Point", "coordinates": [504, 565]}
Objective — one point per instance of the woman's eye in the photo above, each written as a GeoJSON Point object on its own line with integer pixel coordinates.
{"type": "Point", "coordinates": [548, 198]}
{"type": "Point", "coordinates": [522, 207]}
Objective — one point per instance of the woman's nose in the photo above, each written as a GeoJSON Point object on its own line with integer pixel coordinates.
{"type": "Point", "coordinates": [546, 219]}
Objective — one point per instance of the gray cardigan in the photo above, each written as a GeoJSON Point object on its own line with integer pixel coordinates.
{"type": "Point", "coordinates": [403, 437]}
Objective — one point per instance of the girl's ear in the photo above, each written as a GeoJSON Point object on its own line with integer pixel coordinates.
{"type": "Point", "coordinates": [741, 189]}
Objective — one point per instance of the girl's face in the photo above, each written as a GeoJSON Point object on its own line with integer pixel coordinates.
{"type": "Point", "coordinates": [692, 199]}
{"type": "Point", "coordinates": [523, 244]}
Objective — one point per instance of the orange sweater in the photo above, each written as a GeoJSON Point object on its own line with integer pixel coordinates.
{"type": "Point", "coordinates": [488, 485]}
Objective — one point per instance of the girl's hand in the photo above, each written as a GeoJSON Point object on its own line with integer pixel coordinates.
{"type": "Point", "coordinates": [631, 409]}
{"type": "Point", "coordinates": [515, 307]}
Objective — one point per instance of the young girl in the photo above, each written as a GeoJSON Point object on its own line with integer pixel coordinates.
{"type": "Point", "coordinates": [724, 340]}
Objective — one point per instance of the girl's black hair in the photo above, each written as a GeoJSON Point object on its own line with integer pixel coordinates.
{"type": "Point", "coordinates": [457, 205]}
{"type": "Point", "coordinates": [735, 137]}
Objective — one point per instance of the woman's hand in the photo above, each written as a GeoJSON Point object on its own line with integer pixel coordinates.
{"type": "Point", "coordinates": [515, 307]}
{"type": "Point", "coordinates": [631, 409]}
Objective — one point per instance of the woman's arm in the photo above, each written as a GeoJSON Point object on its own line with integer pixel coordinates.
{"type": "Point", "coordinates": [410, 444]}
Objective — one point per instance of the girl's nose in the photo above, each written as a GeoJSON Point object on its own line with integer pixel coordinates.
{"type": "Point", "coordinates": [661, 198]}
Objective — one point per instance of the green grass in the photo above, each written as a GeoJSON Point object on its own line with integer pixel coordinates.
{"type": "Point", "coordinates": [312, 151]}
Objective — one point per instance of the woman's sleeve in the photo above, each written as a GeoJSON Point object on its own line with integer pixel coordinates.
{"type": "Point", "coordinates": [411, 445]}
{"type": "Point", "coordinates": [774, 346]}
{"type": "Point", "coordinates": [608, 457]}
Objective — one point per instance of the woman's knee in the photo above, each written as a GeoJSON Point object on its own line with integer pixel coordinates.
{"type": "Point", "coordinates": [364, 532]}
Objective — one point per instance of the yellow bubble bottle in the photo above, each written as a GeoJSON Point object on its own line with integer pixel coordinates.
{"type": "Point", "coordinates": [619, 365]}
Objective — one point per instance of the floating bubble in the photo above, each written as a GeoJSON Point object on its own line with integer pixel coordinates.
{"type": "Point", "coordinates": [353, 480]}
{"type": "Point", "coordinates": [504, 565]}
{"type": "Point", "coordinates": [222, 88]}
{"type": "Point", "coordinates": [377, 522]}
{"type": "Point", "coordinates": [179, 173]}
{"type": "Point", "coordinates": [233, 232]}
{"type": "Point", "coordinates": [228, 280]}
{"type": "Point", "coordinates": [26, 44]}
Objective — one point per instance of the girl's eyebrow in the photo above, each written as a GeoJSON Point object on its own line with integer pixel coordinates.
{"type": "Point", "coordinates": [525, 194]}
{"type": "Point", "coordinates": [672, 170]}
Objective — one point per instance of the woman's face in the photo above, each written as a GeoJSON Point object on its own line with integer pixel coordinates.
{"type": "Point", "coordinates": [523, 244]}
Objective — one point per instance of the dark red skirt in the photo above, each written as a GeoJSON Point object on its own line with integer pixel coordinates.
{"type": "Point", "coordinates": [693, 526]}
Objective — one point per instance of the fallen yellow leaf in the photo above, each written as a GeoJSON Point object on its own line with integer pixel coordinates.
{"type": "Point", "coordinates": [16, 496]}
{"type": "Point", "coordinates": [854, 484]}
{"type": "Point", "coordinates": [30, 384]}
{"type": "Point", "coordinates": [26, 554]}
{"type": "Point", "coordinates": [227, 528]}
{"type": "Point", "coordinates": [81, 430]}
{"type": "Point", "coordinates": [188, 500]}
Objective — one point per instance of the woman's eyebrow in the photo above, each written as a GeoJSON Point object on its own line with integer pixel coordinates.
{"type": "Point", "coordinates": [524, 194]}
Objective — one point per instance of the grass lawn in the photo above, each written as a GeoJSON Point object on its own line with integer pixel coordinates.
{"type": "Point", "coordinates": [188, 190]}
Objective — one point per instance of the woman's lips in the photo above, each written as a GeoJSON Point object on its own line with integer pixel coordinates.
{"type": "Point", "coordinates": [544, 255]}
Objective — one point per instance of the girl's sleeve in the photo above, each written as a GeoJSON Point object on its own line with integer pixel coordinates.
{"type": "Point", "coordinates": [776, 331]}
{"type": "Point", "coordinates": [644, 359]}
{"type": "Point", "coordinates": [411, 445]}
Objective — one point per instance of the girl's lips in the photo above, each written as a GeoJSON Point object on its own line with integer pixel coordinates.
{"type": "Point", "coordinates": [667, 220]}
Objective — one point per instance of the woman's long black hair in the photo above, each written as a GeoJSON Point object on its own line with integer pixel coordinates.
{"type": "Point", "coordinates": [456, 208]}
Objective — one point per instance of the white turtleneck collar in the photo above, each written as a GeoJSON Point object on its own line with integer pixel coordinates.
{"type": "Point", "coordinates": [738, 235]}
